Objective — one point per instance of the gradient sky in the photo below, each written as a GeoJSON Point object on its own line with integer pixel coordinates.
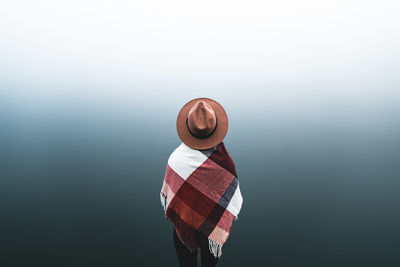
{"type": "Point", "coordinates": [268, 49]}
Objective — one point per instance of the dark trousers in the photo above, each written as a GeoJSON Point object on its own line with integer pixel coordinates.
{"type": "Point", "coordinates": [189, 259]}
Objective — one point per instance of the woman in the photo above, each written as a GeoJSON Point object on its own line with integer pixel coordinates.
{"type": "Point", "coordinates": [200, 192]}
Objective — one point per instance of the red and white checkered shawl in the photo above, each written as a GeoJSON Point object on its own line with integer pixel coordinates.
{"type": "Point", "coordinates": [201, 196]}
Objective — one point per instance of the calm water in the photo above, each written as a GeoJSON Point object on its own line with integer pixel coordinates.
{"type": "Point", "coordinates": [80, 182]}
{"type": "Point", "coordinates": [90, 91]}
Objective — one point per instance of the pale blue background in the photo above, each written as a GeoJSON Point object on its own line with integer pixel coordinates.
{"type": "Point", "coordinates": [90, 91]}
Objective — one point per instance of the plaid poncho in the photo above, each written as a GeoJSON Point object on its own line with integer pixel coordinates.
{"type": "Point", "coordinates": [201, 196]}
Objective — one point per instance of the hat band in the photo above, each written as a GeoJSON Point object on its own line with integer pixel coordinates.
{"type": "Point", "coordinates": [206, 136]}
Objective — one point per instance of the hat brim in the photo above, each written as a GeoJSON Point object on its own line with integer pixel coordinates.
{"type": "Point", "coordinates": [202, 143]}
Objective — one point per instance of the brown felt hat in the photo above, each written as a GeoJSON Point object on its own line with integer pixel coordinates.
{"type": "Point", "coordinates": [202, 123]}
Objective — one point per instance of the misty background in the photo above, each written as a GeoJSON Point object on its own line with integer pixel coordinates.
{"type": "Point", "coordinates": [90, 91]}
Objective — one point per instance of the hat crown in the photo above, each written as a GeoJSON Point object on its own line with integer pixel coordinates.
{"type": "Point", "coordinates": [201, 119]}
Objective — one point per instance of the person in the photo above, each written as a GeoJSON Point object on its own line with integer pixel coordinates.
{"type": "Point", "coordinates": [200, 192]}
